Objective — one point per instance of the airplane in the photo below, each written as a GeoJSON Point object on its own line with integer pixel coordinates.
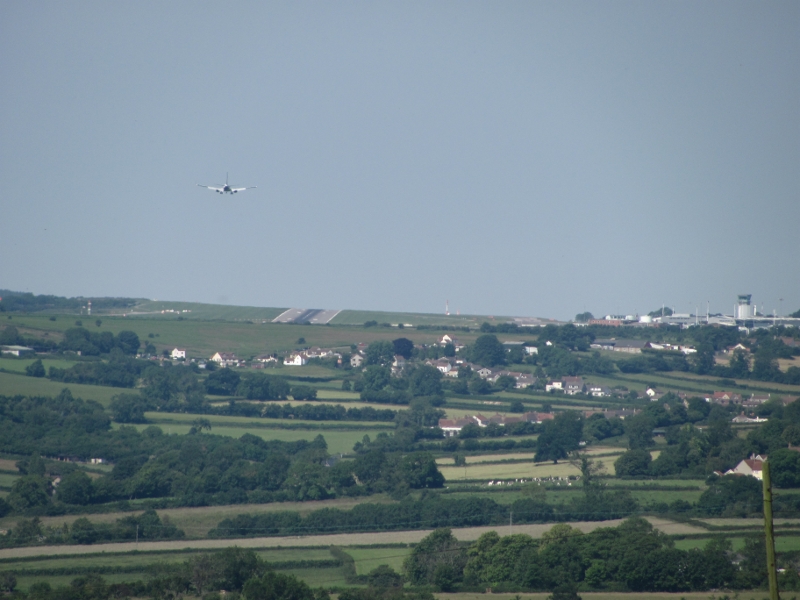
{"type": "Point", "coordinates": [226, 189]}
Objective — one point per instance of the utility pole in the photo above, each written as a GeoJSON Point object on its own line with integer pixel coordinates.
{"type": "Point", "coordinates": [771, 566]}
{"type": "Point", "coordinates": [511, 521]}
{"type": "Point", "coordinates": [137, 535]}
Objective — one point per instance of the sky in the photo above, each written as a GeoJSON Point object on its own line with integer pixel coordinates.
{"type": "Point", "coordinates": [515, 158]}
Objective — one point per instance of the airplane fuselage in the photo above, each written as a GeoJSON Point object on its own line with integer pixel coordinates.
{"type": "Point", "coordinates": [225, 189]}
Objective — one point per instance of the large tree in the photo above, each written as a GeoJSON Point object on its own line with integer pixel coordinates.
{"type": "Point", "coordinates": [437, 560]}
{"type": "Point", "coordinates": [559, 437]}
{"type": "Point", "coordinates": [488, 351]}
{"type": "Point", "coordinates": [403, 347]}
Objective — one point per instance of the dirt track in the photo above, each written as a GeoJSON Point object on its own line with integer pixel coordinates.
{"type": "Point", "coordinates": [341, 539]}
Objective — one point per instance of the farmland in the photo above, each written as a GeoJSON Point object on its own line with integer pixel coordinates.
{"type": "Point", "coordinates": [249, 332]}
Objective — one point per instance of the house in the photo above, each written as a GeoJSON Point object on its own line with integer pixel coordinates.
{"type": "Point", "coordinates": [739, 346]}
{"type": "Point", "coordinates": [724, 398]}
{"type": "Point", "coordinates": [178, 354]}
{"type": "Point", "coordinates": [620, 414]}
{"type": "Point", "coordinates": [356, 360]}
{"type": "Point", "coordinates": [485, 373]}
{"type": "Point", "coordinates": [451, 339]}
{"type": "Point", "coordinates": [317, 352]}
{"type": "Point", "coordinates": [296, 359]}
{"type": "Point", "coordinates": [574, 385]}
{"type": "Point", "coordinates": [452, 427]}
{"type": "Point", "coordinates": [443, 365]}
{"type": "Point", "coordinates": [16, 350]}
{"type": "Point", "coordinates": [606, 322]}
{"type": "Point", "coordinates": [629, 346]}
{"type": "Point", "coordinates": [225, 359]}
{"type": "Point", "coordinates": [537, 417]}
{"type": "Point", "coordinates": [750, 466]}
{"type": "Point", "coordinates": [266, 358]}
{"type": "Point", "coordinates": [524, 380]}
{"type": "Point", "coordinates": [742, 418]}
{"type": "Point", "coordinates": [531, 350]}
{"type": "Point", "coordinates": [598, 391]}
{"type": "Point", "coordinates": [557, 386]}
{"type": "Point", "coordinates": [759, 398]}
{"type": "Point", "coordinates": [398, 365]}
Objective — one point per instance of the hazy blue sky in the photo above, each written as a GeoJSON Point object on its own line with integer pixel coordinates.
{"type": "Point", "coordinates": [516, 158]}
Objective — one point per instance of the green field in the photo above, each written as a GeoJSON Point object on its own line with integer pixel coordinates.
{"type": "Point", "coordinates": [12, 384]}
{"type": "Point", "coordinates": [168, 419]}
{"type": "Point", "coordinates": [7, 480]}
{"type": "Point", "coordinates": [338, 441]}
{"type": "Point", "coordinates": [202, 338]}
{"type": "Point", "coordinates": [196, 522]}
{"type": "Point", "coordinates": [143, 565]}
{"type": "Point", "coordinates": [369, 558]}
{"type": "Point", "coordinates": [17, 365]}
{"type": "Point", "coordinates": [488, 472]}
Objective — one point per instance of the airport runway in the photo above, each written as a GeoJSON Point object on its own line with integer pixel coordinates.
{"type": "Point", "coordinates": [315, 316]}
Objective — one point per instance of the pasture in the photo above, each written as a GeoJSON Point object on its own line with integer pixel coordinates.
{"type": "Point", "coordinates": [339, 441]}
{"type": "Point", "coordinates": [12, 384]}
{"type": "Point", "coordinates": [527, 470]}
{"type": "Point", "coordinates": [202, 338]}
{"type": "Point", "coordinates": [196, 522]}
{"type": "Point", "coordinates": [368, 558]}
{"type": "Point", "coordinates": [468, 534]}
{"type": "Point", "coordinates": [17, 365]}
{"type": "Point", "coordinates": [164, 419]}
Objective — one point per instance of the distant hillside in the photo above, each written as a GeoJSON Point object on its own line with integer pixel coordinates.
{"type": "Point", "coordinates": [11, 301]}
{"type": "Point", "coordinates": [140, 307]}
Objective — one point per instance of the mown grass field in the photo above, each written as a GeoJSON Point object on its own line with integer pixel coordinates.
{"type": "Point", "coordinates": [17, 365]}
{"type": "Point", "coordinates": [163, 419]}
{"type": "Point", "coordinates": [7, 480]}
{"type": "Point", "coordinates": [202, 338]}
{"type": "Point", "coordinates": [12, 384]}
{"type": "Point", "coordinates": [339, 539]}
{"type": "Point", "coordinates": [359, 317]}
{"type": "Point", "coordinates": [144, 565]}
{"type": "Point", "coordinates": [138, 560]}
{"type": "Point", "coordinates": [196, 522]}
{"type": "Point", "coordinates": [338, 441]}
{"type": "Point", "coordinates": [488, 472]}
{"type": "Point", "coordinates": [369, 558]}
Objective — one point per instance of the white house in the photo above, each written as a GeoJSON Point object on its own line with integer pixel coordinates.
{"type": "Point", "coordinates": [749, 466]}
{"type": "Point", "coordinates": [178, 354]}
{"type": "Point", "coordinates": [451, 339]}
{"type": "Point", "coordinates": [356, 360]}
{"type": "Point", "coordinates": [444, 366]}
{"type": "Point", "coordinates": [296, 359]}
{"type": "Point", "coordinates": [554, 385]}
{"type": "Point", "coordinates": [225, 359]}
{"type": "Point", "coordinates": [398, 365]}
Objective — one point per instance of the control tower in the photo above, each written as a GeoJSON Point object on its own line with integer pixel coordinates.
{"type": "Point", "coordinates": [745, 310]}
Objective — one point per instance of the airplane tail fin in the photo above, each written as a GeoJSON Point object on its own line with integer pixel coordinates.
{"type": "Point", "coordinates": [226, 178]}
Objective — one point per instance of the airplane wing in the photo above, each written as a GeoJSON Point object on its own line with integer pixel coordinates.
{"type": "Point", "coordinates": [211, 187]}
{"type": "Point", "coordinates": [234, 190]}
